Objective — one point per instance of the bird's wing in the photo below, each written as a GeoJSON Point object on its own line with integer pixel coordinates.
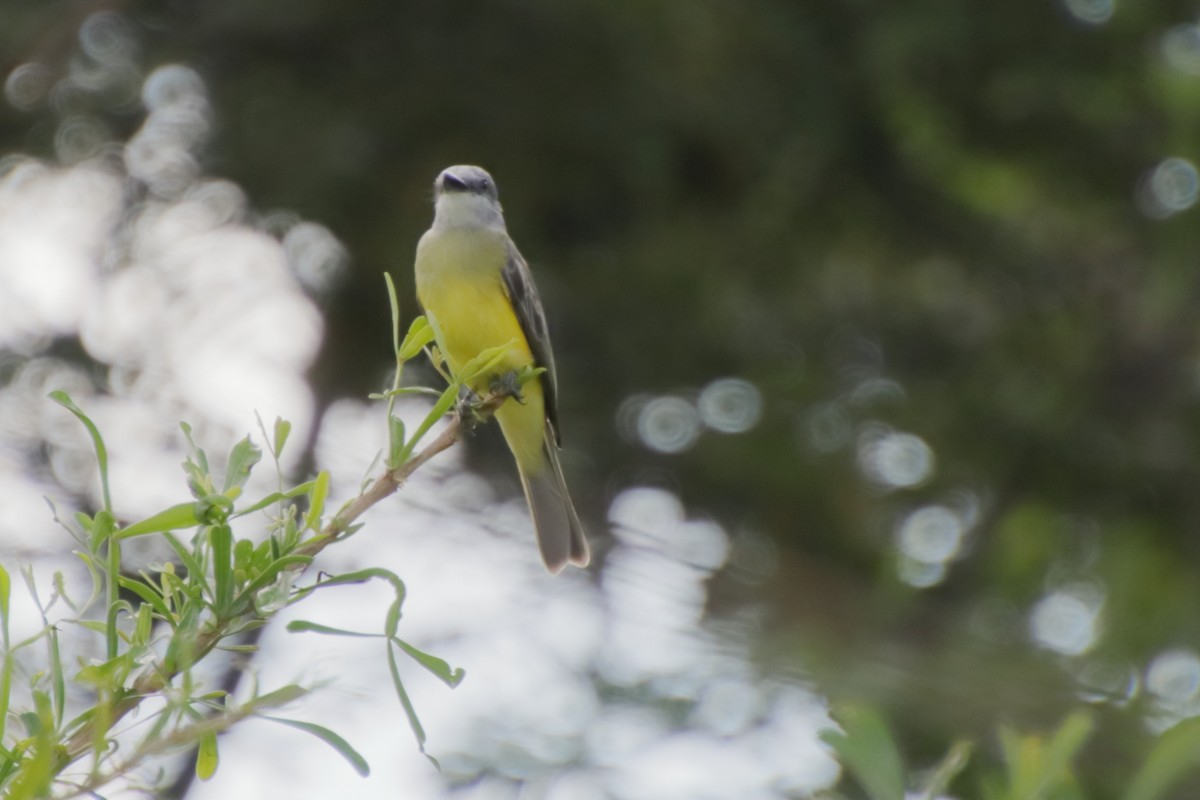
{"type": "Point", "coordinates": [522, 293]}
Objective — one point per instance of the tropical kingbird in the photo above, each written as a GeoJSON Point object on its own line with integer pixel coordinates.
{"type": "Point", "coordinates": [478, 291]}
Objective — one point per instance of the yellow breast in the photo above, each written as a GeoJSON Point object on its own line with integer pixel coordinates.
{"type": "Point", "coordinates": [459, 284]}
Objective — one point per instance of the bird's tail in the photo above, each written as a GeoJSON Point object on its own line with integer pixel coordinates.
{"type": "Point", "coordinates": [559, 533]}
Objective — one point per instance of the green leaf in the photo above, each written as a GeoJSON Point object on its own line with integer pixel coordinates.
{"type": "Point", "coordinates": [279, 697]}
{"type": "Point", "coordinates": [451, 676]}
{"type": "Point", "coordinates": [395, 440]}
{"type": "Point", "coordinates": [214, 509]}
{"type": "Point", "coordinates": [275, 497]}
{"type": "Point", "coordinates": [405, 390]}
{"type": "Point", "coordinates": [112, 575]}
{"type": "Point", "coordinates": [6, 671]}
{"type": "Point", "coordinates": [272, 571]}
{"type": "Point", "coordinates": [64, 400]}
{"type": "Point", "coordinates": [420, 333]}
{"type": "Point", "coordinates": [221, 537]}
{"type": "Point", "coordinates": [394, 302]}
{"type": "Point", "coordinates": [143, 624]}
{"type": "Point", "coordinates": [1037, 767]}
{"type": "Point", "coordinates": [242, 459]}
{"type": "Point", "coordinates": [182, 646]}
{"type": "Point", "coordinates": [330, 738]}
{"type": "Point", "coordinates": [304, 626]}
{"type": "Point", "coordinates": [946, 771]}
{"type": "Point", "coordinates": [1068, 740]}
{"type": "Point", "coordinates": [485, 362]}
{"type": "Point", "coordinates": [406, 703]}
{"type": "Point", "coordinates": [5, 594]}
{"type": "Point", "coordinates": [1175, 753]}
{"type": "Point", "coordinates": [195, 466]}
{"type": "Point", "coordinates": [437, 412]}
{"type": "Point", "coordinates": [283, 429]}
{"type": "Point", "coordinates": [195, 573]}
{"type": "Point", "coordinates": [206, 755]}
{"type": "Point", "coordinates": [195, 452]}
{"type": "Point", "coordinates": [177, 517]}
{"type": "Point", "coordinates": [107, 675]}
{"type": "Point", "coordinates": [102, 527]}
{"type": "Point", "coordinates": [868, 751]}
{"type": "Point", "coordinates": [364, 575]}
{"type": "Point", "coordinates": [392, 621]}
{"type": "Point", "coordinates": [317, 496]}
{"type": "Point", "coordinates": [149, 596]}
{"type": "Point", "coordinates": [435, 354]}
{"type": "Point", "coordinates": [58, 679]}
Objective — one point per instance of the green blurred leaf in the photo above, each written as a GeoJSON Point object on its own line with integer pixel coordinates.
{"type": "Point", "coordinates": [304, 626]}
{"type": "Point", "coordinates": [149, 596]}
{"type": "Point", "coordinates": [449, 395]}
{"type": "Point", "coordinates": [420, 333]}
{"type": "Point", "coordinates": [206, 755]}
{"type": "Point", "coordinates": [5, 593]}
{"type": "Point", "coordinates": [221, 539]}
{"type": "Point", "coordinates": [1038, 768]}
{"type": "Point", "coordinates": [868, 750]}
{"type": "Point", "coordinates": [485, 362]}
{"type": "Point", "coordinates": [1067, 741]}
{"type": "Point", "coordinates": [279, 697]}
{"type": "Point", "coordinates": [272, 571]}
{"type": "Point", "coordinates": [364, 575]}
{"type": "Point", "coordinates": [394, 304]}
{"type": "Point", "coordinates": [213, 509]}
{"type": "Point", "coordinates": [57, 677]}
{"type": "Point", "coordinates": [320, 489]}
{"type": "Point", "coordinates": [947, 770]}
{"type": "Point", "coordinates": [197, 455]}
{"type": "Point", "coordinates": [391, 623]}
{"type": "Point", "coordinates": [395, 441]}
{"type": "Point", "coordinates": [195, 573]}
{"type": "Point", "coordinates": [182, 645]}
{"type": "Point", "coordinates": [275, 497]}
{"type": "Point", "coordinates": [1175, 753]}
{"type": "Point", "coordinates": [6, 670]}
{"type": "Point", "coordinates": [242, 459]}
{"type": "Point", "coordinates": [406, 703]}
{"type": "Point", "coordinates": [102, 527]}
{"type": "Point", "coordinates": [64, 400]}
{"type": "Point", "coordinates": [143, 624]}
{"type": "Point", "coordinates": [283, 429]}
{"type": "Point", "coordinates": [177, 517]}
{"type": "Point", "coordinates": [330, 738]}
{"type": "Point", "coordinates": [451, 676]}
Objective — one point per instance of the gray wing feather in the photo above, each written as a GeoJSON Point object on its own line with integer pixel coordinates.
{"type": "Point", "coordinates": [522, 293]}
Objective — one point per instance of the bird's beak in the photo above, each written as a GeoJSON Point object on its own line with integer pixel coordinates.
{"type": "Point", "coordinates": [452, 183]}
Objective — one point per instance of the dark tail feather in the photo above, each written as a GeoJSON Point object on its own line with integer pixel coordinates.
{"type": "Point", "coordinates": [559, 533]}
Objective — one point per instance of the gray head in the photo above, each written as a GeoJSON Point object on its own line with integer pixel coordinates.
{"type": "Point", "coordinates": [466, 196]}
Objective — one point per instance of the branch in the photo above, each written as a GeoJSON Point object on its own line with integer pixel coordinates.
{"type": "Point", "coordinates": [156, 680]}
{"type": "Point", "coordinates": [390, 481]}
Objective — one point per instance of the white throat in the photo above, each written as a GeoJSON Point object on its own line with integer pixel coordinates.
{"type": "Point", "coordinates": [466, 210]}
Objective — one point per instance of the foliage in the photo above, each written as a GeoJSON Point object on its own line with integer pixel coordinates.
{"type": "Point", "coordinates": [940, 218]}
{"type": "Point", "coordinates": [1031, 767]}
{"type": "Point", "coordinates": [160, 624]}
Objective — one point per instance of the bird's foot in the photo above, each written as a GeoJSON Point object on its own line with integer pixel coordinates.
{"type": "Point", "coordinates": [467, 408]}
{"type": "Point", "coordinates": [509, 384]}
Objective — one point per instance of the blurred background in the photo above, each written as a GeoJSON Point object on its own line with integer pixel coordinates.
{"type": "Point", "coordinates": [877, 348]}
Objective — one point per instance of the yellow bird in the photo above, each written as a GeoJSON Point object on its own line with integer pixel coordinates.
{"type": "Point", "coordinates": [479, 293]}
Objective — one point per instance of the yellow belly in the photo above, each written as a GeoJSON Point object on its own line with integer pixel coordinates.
{"type": "Point", "coordinates": [459, 285]}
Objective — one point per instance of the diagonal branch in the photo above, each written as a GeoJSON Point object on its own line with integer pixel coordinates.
{"type": "Point", "coordinates": [157, 679]}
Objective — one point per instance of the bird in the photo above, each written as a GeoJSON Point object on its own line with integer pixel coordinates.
{"type": "Point", "coordinates": [478, 293]}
